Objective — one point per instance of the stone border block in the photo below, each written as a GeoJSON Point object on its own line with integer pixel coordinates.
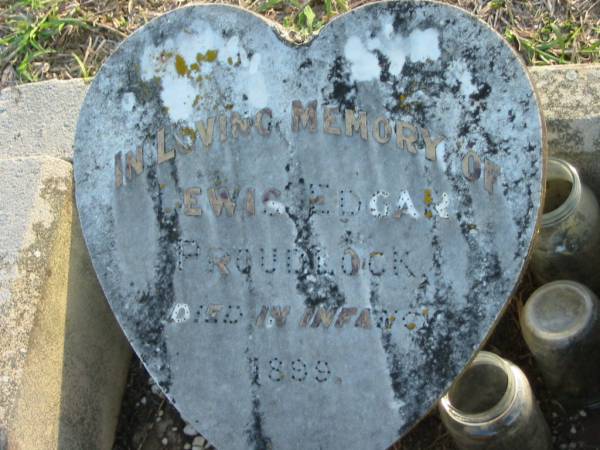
{"type": "Point", "coordinates": [63, 357]}
{"type": "Point", "coordinates": [40, 118]}
{"type": "Point", "coordinates": [570, 101]}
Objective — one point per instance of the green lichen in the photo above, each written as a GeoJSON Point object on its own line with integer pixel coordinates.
{"type": "Point", "coordinates": [181, 66]}
{"type": "Point", "coordinates": [210, 56]}
{"type": "Point", "coordinates": [428, 197]}
{"type": "Point", "coordinates": [189, 132]}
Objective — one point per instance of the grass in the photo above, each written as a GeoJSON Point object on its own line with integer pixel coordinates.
{"type": "Point", "coordinates": [44, 39]}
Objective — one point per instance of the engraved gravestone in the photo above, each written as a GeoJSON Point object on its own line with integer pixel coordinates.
{"type": "Point", "coordinates": [306, 244]}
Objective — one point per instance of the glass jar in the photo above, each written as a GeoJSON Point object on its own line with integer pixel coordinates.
{"type": "Point", "coordinates": [568, 241]}
{"type": "Point", "coordinates": [561, 327]}
{"type": "Point", "coordinates": [491, 406]}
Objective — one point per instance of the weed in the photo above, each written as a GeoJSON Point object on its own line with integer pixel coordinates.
{"type": "Point", "coordinates": [555, 42]}
{"type": "Point", "coordinates": [32, 37]}
{"type": "Point", "coordinates": [304, 19]}
{"type": "Point", "coordinates": [85, 74]}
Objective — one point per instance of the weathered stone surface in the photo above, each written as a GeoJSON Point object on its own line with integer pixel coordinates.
{"type": "Point", "coordinates": [63, 360]}
{"type": "Point", "coordinates": [298, 283]}
{"type": "Point", "coordinates": [570, 101]}
{"type": "Point", "coordinates": [39, 119]}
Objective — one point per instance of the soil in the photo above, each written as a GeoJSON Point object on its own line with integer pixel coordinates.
{"type": "Point", "coordinates": [149, 422]}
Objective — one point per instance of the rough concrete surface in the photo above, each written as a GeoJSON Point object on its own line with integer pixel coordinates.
{"type": "Point", "coordinates": [570, 101]}
{"type": "Point", "coordinates": [63, 359]}
{"type": "Point", "coordinates": [40, 118]}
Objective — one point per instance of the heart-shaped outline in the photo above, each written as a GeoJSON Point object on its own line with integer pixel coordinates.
{"type": "Point", "coordinates": [98, 232]}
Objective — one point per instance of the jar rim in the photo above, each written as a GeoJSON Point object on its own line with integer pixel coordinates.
{"type": "Point", "coordinates": [501, 408]}
{"type": "Point", "coordinates": [587, 302]}
{"type": "Point", "coordinates": [565, 209]}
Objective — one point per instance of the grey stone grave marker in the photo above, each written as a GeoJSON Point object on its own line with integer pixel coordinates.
{"type": "Point", "coordinates": [306, 244]}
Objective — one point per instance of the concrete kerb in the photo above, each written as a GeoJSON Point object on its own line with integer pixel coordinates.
{"type": "Point", "coordinates": [38, 120]}
{"type": "Point", "coordinates": [63, 358]}
{"type": "Point", "coordinates": [570, 97]}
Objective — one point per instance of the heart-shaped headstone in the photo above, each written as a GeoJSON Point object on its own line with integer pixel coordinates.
{"type": "Point", "coordinates": [306, 244]}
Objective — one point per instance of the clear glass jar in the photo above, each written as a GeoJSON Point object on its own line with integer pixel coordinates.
{"type": "Point", "coordinates": [561, 327]}
{"type": "Point", "coordinates": [568, 241]}
{"type": "Point", "coordinates": [491, 406]}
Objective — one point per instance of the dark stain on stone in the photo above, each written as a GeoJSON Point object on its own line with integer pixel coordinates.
{"type": "Point", "coordinates": [483, 92]}
{"type": "Point", "coordinates": [434, 339]}
{"type": "Point", "coordinates": [145, 92]}
{"type": "Point", "coordinates": [247, 270]}
{"type": "Point", "coordinates": [306, 64]}
{"type": "Point", "coordinates": [343, 92]}
{"type": "Point", "coordinates": [404, 15]}
{"type": "Point", "coordinates": [256, 437]}
{"type": "Point", "coordinates": [511, 116]}
{"type": "Point", "coordinates": [318, 286]}
{"type": "Point", "coordinates": [384, 65]}
{"type": "Point", "coordinates": [392, 353]}
{"type": "Point", "coordinates": [149, 321]}
{"type": "Point", "coordinates": [156, 300]}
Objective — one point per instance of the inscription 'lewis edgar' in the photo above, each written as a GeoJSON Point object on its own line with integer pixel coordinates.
{"type": "Point", "coordinates": [411, 138]}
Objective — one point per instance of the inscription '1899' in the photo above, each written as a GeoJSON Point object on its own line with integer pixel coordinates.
{"type": "Point", "coordinates": [349, 123]}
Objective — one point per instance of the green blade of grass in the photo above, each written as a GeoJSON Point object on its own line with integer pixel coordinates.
{"type": "Point", "coordinates": [84, 70]}
{"type": "Point", "coordinates": [309, 14]}
{"type": "Point", "coordinates": [269, 4]}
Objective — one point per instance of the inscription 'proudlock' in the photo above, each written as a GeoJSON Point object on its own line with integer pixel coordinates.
{"type": "Point", "coordinates": [293, 237]}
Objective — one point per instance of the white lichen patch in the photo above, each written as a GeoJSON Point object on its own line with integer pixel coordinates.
{"type": "Point", "coordinates": [418, 46]}
{"type": "Point", "coordinates": [363, 63]}
{"type": "Point", "coordinates": [258, 95]}
{"type": "Point", "coordinates": [187, 66]}
{"type": "Point", "coordinates": [458, 74]}
{"type": "Point", "coordinates": [128, 101]}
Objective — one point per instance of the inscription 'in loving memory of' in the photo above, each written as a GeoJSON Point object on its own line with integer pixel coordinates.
{"type": "Point", "coordinates": [349, 122]}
